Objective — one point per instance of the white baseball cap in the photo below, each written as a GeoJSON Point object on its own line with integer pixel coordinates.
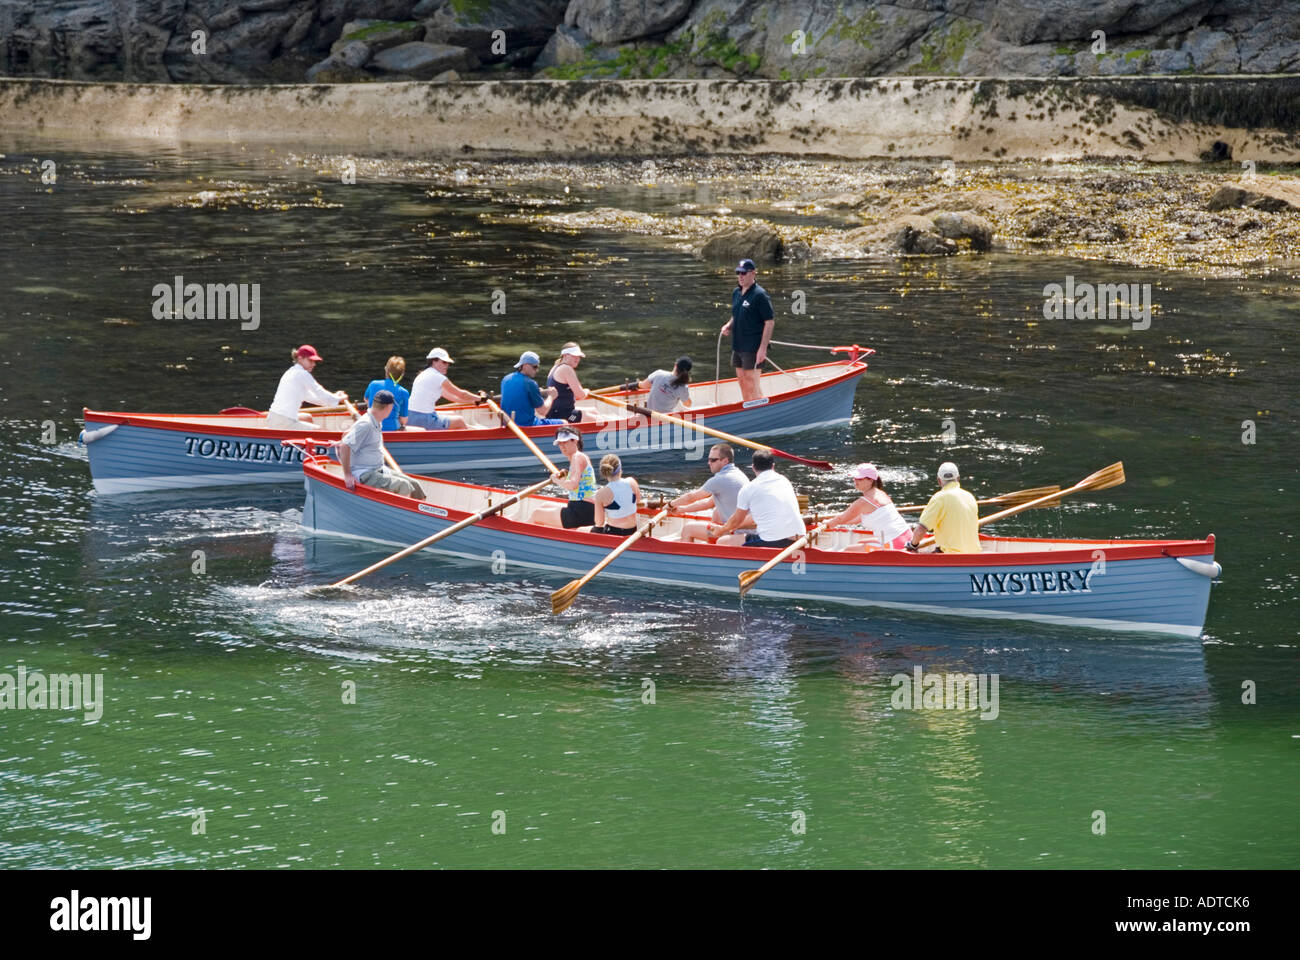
{"type": "Point", "coordinates": [572, 352]}
{"type": "Point", "coordinates": [437, 353]}
{"type": "Point", "coordinates": [948, 471]}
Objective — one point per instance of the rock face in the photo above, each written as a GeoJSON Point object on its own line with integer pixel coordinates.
{"type": "Point", "coordinates": [614, 21]}
{"type": "Point", "coordinates": [253, 40]}
{"type": "Point", "coordinates": [379, 34]}
{"type": "Point", "coordinates": [758, 241]}
{"type": "Point", "coordinates": [1258, 194]}
{"type": "Point", "coordinates": [424, 61]}
{"type": "Point", "coordinates": [567, 45]}
{"type": "Point", "coordinates": [524, 23]}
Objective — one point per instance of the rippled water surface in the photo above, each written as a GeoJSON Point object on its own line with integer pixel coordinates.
{"type": "Point", "coordinates": [474, 706]}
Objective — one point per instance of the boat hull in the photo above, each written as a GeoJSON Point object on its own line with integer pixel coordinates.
{"type": "Point", "coordinates": [135, 452]}
{"type": "Point", "coordinates": [1112, 585]}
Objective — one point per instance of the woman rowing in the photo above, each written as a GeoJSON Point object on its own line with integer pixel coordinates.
{"type": "Point", "coordinates": [568, 389]}
{"type": "Point", "coordinates": [616, 501]}
{"type": "Point", "coordinates": [875, 511]}
{"type": "Point", "coordinates": [297, 385]}
{"type": "Point", "coordinates": [580, 481]}
{"type": "Point", "coordinates": [669, 387]}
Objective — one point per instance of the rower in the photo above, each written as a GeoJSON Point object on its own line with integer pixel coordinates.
{"type": "Point", "coordinates": [616, 501]}
{"type": "Point", "coordinates": [951, 515]}
{"type": "Point", "coordinates": [521, 399]}
{"type": "Point", "coordinates": [770, 504]}
{"type": "Point", "coordinates": [568, 389]}
{"type": "Point", "coordinates": [431, 386]}
{"type": "Point", "coordinates": [751, 325]}
{"type": "Point", "coordinates": [297, 385]}
{"type": "Point", "coordinates": [875, 511]}
{"type": "Point", "coordinates": [361, 452]}
{"type": "Point", "coordinates": [719, 492]}
{"type": "Point", "coordinates": [668, 388]}
{"type": "Point", "coordinates": [394, 370]}
{"type": "Point", "coordinates": [580, 481]}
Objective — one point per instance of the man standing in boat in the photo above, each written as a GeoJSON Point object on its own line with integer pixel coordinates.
{"type": "Point", "coordinates": [751, 325]}
{"type": "Point", "coordinates": [951, 515]}
{"type": "Point", "coordinates": [361, 451]}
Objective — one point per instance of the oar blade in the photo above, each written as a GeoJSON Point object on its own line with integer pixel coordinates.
{"type": "Point", "coordinates": [563, 598]}
{"type": "Point", "coordinates": [747, 580]}
{"type": "Point", "coordinates": [1104, 478]}
{"type": "Point", "coordinates": [1018, 497]}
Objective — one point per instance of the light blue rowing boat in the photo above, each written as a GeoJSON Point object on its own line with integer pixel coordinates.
{"type": "Point", "coordinates": [129, 452]}
{"type": "Point", "coordinates": [1160, 586]}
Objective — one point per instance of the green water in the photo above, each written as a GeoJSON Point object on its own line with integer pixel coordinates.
{"type": "Point", "coordinates": [225, 690]}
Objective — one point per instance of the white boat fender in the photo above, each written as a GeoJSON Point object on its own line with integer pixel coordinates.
{"type": "Point", "coordinates": [1211, 570]}
{"type": "Point", "coordinates": [90, 436]}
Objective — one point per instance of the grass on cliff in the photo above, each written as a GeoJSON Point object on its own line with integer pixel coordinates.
{"type": "Point", "coordinates": [650, 62]}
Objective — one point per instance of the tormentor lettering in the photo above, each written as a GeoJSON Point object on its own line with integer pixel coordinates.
{"type": "Point", "coordinates": [251, 450]}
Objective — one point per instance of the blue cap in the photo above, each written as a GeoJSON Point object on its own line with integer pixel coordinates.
{"type": "Point", "coordinates": [745, 265]}
{"type": "Point", "coordinates": [528, 357]}
{"type": "Point", "coordinates": [384, 398]}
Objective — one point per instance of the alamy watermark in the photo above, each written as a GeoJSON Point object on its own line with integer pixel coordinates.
{"type": "Point", "coordinates": [58, 691]}
{"type": "Point", "coordinates": [945, 691]}
{"type": "Point", "coordinates": [1102, 301]}
{"type": "Point", "coordinates": [210, 301]}
{"type": "Point", "coordinates": [76, 913]}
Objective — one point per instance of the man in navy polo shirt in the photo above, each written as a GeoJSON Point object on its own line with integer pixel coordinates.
{"type": "Point", "coordinates": [751, 324]}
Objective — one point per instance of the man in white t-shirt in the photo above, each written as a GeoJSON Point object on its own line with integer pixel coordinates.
{"type": "Point", "coordinates": [431, 386]}
{"type": "Point", "coordinates": [768, 503]}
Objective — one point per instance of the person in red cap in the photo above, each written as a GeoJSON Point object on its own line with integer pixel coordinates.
{"type": "Point", "coordinates": [297, 386]}
{"type": "Point", "coordinates": [875, 511]}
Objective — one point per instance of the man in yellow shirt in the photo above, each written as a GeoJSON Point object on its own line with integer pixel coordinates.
{"type": "Point", "coordinates": [951, 515]}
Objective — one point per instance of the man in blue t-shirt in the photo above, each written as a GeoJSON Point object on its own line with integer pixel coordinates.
{"type": "Point", "coordinates": [394, 370]}
{"type": "Point", "coordinates": [751, 324]}
{"type": "Point", "coordinates": [522, 400]}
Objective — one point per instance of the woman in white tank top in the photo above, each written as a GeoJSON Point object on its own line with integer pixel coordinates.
{"type": "Point", "coordinates": [617, 500]}
{"type": "Point", "coordinates": [875, 511]}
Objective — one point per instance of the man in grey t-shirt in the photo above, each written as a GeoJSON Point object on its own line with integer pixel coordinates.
{"type": "Point", "coordinates": [721, 490]}
{"type": "Point", "coordinates": [361, 452]}
{"type": "Point", "coordinates": [669, 387]}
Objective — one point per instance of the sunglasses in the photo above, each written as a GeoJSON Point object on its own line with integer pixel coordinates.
{"type": "Point", "coordinates": [715, 459]}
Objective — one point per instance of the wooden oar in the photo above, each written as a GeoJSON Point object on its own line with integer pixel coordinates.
{"type": "Point", "coordinates": [528, 441]}
{"type": "Point", "coordinates": [1103, 479]}
{"type": "Point", "coordinates": [461, 525]}
{"type": "Point", "coordinates": [749, 577]}
{"type": "Point", "coordinates": [740, 441]}
{"type": "Point", "coordinates": [388, 457]}
{"type": "Point", "coordinates": [561, 599]}
{"type": "Point", "coordinates": [1012, 499]}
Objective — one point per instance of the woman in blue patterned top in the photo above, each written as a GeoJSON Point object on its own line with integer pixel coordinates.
{"type": "Point", "coordinates": [580, 481]}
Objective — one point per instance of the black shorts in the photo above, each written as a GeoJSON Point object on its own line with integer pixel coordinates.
{"type": "Point", "coordinates": [575, 417]}
{"type": "Point", "coordinates": [578, 513]}
{"type": "Point", "coordinates": [615, 531]}
{"type": "Point", "coordinates": [754, 540]}
{"type": "Point", "coordinates": [744, 360]}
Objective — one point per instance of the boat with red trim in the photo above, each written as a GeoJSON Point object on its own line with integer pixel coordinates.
{"type": "Point", "coordinates": [147, 451]}
{"type": "Point", "coordinates": [1160, 586]}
